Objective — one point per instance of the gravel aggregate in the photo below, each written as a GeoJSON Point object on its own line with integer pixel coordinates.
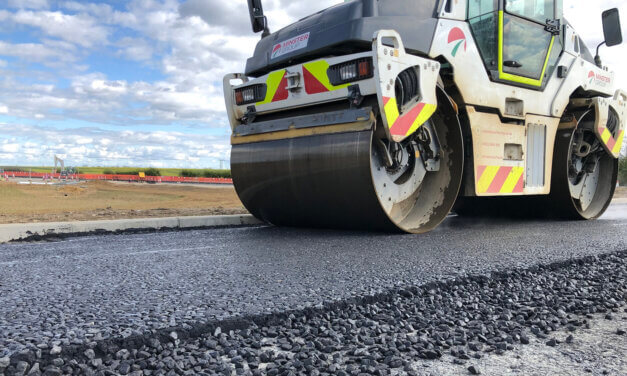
{"type": "Point", "coordinates": [84, 290]}
{"type": "Point", "coordinates": [466, 318]}
{"type": "Point", "coordinates": [596, 350]}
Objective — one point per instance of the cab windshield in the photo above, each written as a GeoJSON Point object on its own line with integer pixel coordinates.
{"type": "Point", "coordinates": [537, 10]}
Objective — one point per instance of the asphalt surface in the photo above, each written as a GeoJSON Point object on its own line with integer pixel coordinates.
{"type": "Point", "coordinates": [91, 288]}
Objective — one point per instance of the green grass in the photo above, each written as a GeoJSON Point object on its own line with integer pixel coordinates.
{"type": "Point", "coordinates": [127, 170]}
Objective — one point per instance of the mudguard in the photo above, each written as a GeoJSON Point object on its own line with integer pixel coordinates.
{"type": "Point", "coordinates": [389, 62]}
{"type": "Point", "coordinates": [612, 141]}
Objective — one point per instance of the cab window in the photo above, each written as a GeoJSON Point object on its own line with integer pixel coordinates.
{"type": "Point", "coordinates": [481, 7]}
{"type": "Point", "coordinates": [537, 10]}
{"type": "Point", "coordinates": [483, 19]}
{"type": "Point", "coordinates": [525, 44]}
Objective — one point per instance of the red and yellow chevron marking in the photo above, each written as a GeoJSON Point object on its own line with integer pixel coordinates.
{"type": "Point", "coordinates": [410, 121]}
{"type": "Point", "coordinates": [316, 78]}
{"type": "Point", "coordinates": [613, 144]}
{"type": "Point", "coordinates": [276, 87]}
{"type": "Point", "coordinates": [499, 179]}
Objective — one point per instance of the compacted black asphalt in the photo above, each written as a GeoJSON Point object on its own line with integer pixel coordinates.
{"type": "Point", "coordinates": [165, 303]}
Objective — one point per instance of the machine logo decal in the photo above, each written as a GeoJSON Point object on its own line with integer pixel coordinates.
{"type": "Point", "coordinates": [499, 179]}
{"type": "Point", "coordinates": [290, 45]}
{"type": "Point", "coordinates": [599, 79]}
{"type": "Point", "coordinates": [457, 35]}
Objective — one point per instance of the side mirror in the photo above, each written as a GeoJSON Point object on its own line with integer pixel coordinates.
{"type": "Point", "coordinates": [611, 27]}
{"type": "Point", "coordinates": [257, 19]}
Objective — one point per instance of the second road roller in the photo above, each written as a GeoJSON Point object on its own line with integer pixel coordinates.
{"type": "Point", "coordinates": [386, 114]}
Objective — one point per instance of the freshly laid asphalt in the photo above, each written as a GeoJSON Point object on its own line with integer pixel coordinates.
{"type": "Point", "coordinates": [89, 288]}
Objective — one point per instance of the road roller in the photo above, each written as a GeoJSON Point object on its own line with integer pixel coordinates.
{"type": "Point", "coordinates": [386, 115]}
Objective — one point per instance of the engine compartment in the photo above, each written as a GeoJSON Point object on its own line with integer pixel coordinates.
{"type": "Point", "coordinates": [347, 28]}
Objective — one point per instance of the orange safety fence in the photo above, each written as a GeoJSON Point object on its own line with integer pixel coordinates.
{"type": "Point", "coordinates": [129, 178]}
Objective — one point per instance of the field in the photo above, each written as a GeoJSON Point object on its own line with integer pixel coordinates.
{"type": "Point", "coordinates": [119, 170]}
{"type": "Point", "coordinates": [22, 203]}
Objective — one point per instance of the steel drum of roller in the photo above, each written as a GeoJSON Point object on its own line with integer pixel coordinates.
{"type": "Point", "coordinates": [352, 180]}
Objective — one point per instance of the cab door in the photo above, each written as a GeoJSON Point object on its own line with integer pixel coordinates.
{"type": "Point", "coordinates": [519, 40]}
{"type": "Point", "coordinates": [527, 34]}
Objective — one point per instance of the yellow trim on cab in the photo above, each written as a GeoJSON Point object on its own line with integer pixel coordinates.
{"type": "Point", "coordinates": [515, 78]}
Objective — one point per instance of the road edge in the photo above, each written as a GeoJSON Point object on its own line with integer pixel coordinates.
{"type": "Point", "coordinates": [42, 230]}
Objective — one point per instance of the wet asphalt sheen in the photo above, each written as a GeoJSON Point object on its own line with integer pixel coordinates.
{"type": "Point", "coordinates": [95, 287]}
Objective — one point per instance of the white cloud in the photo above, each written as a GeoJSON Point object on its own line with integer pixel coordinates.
{"type": "Point", "coordinates": [4, 109]}
{"type": "Point", "coordinates": [35, 52]}
{"type": "Point", "coordinates": [80, 29]}
{"type": "Point", "coordinates": [9, 148]}
{"type": "Point", "coordinates": [136, 49]}
{"type": "Point", "coordinates": [92, 146]}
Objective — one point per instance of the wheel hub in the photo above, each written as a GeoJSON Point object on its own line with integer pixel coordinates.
{"type": "Point", "coordinates": [586, 151]}
{"type": "Point", "coordinates": [399, 168]}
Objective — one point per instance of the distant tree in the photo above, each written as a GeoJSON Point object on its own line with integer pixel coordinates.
{"type": "Point", "coordinates": [211, 173]}
{"type": "Point", "coordinates": [152, 172]}
{"type": "Point", "coordinates": [108, 171]}
{"type": "Point", "coordinates": [189, 173]}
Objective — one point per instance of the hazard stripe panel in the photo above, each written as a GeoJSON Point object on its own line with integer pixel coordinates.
{"type": "Point", "coordinates": [613, 144]}
{"type": "Point", "coordinates": [619, 142]}
{"type": "Point", "coordinates": [276, 87]}
{"type": "Point", "coordinates": [410, 121]}
{"type": "Point", "coordinates": [499, 179]}
{"type": "Point", "coordinates": [316, 78]}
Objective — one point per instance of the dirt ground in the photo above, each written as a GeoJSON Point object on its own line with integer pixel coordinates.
{"type": "Point", "coordinates": [23, 203]}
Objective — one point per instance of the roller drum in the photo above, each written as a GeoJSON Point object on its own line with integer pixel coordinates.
{"type": "Point", "coordinates": [340, 180]}
{"type": "Point", "coordinates": [313, 181]}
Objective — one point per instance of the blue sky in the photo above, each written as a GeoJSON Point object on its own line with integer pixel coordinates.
{"type": "Point", "coordinates": [119, 83]}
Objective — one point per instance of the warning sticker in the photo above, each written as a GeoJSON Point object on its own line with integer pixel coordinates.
{"type": "Point", "coordinates": [290, 45]}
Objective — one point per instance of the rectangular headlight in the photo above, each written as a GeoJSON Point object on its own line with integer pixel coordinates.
{"type": "Point", "coordinates": [250, 94]}
{"type": "Point", "coordinates": [350, 71]}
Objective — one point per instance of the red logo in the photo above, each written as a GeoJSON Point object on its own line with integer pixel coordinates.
{"type": "Point", "coordinates": [290, 45]}
{"type": "Point", "coordinates": [599, 79]}
{"type": "Point", "coordinates": [457, 35]}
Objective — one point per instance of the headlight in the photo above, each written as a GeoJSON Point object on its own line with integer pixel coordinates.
{"type": "Point", "coordinates": [350, 71]}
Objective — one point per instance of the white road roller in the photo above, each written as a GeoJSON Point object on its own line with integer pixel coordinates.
{"type": "Point", "coordinates": [382, 115]}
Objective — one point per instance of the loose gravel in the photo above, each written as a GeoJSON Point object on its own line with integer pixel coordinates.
{"type": "Point", "coordinates": [467, 318]}
{"type": "Point", "coordinates": [92, 289]}
{"type": "Point", "coordinates": [597, 349]}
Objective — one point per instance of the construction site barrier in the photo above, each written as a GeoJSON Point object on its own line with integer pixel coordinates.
{"type": "Point", "coordinates": [129, 178]}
